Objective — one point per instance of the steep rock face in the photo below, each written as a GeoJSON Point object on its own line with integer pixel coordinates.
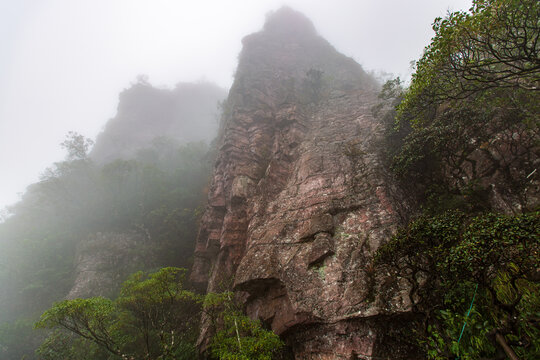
{"type": "Point", "coordinates": [300, 202]}
{"type": "Point", "coordinates": [104, 260]}
{"type": "Point", "coordinates": [188, 113]}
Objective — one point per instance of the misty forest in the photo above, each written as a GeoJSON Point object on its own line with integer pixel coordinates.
{"type": "Point", "coordinates": [313, 210]}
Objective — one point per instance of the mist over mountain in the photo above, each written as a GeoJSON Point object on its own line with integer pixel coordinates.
{"type": "Point", "coordinates": [130, 204]}
{"type": "Point", "coordinates": [187, 113]}
{"type": "Point", "coordinates": [310, 212]}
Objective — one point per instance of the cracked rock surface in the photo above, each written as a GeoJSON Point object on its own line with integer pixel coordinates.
{"type": "Point", "coordinates": [300, 200]}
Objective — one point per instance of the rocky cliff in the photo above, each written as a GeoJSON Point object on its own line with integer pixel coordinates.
{"type": "Point", "coordinates": [104, 260]}
{"type": "Point", "coordinates": [144, 169]}
{"type": "Point", "coordinates": [300, 200]}
{"type": "Point", "coordinates": [187, 113]}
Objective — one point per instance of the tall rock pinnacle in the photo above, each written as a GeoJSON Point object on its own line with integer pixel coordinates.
{"type": "Point", "coordinates": [299, 200]}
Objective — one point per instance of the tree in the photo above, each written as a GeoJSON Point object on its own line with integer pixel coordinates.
{"type": "Point", "coordinates": [472, 107]}
{"type": "Point", "coordinates": [237, 337]}
{"type": "Point", "coordinates": [91, 319]}
{"type": "Point", "coordinates": [495, 46]}
{"type": "Point", "coordinates": [153, 318]}
{"type": "Point", "coordinates": [77, 146]}
{"type": "Point", "coordinates": [444, 257]}
{"type": "Point", "coordinates": [165, 315]}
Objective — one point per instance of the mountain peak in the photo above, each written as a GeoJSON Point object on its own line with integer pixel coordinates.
{"type": "Point", "coordinates": [288, 21]}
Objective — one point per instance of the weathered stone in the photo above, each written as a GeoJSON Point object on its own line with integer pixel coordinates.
{"type": "Point", "coordinates": [300, 242]}
{"type": "Point", "coordinates": [241, 188]}
{"type": "Point", "coordinates": [322, 248]}
{"type": "Point", "coordinates": [104, 260]}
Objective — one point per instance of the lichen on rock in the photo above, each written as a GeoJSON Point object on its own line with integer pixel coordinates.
{"type": "Point", "coordinates": [291, 216]}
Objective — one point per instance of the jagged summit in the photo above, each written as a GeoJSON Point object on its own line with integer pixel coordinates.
{"type": "Point", "coordinates": [299, 200]}
{"type": "Point", "coordinates": [290, 22]}
{"type": "Point", "coordinates": [286, 54]}
{"type": "Point", "coordinates": [184, 114]}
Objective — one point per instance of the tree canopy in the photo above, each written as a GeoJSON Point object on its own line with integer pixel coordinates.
{"type": "Point", "coordinates": [153, 318]}
{"type": "Point", "coordinates": [494, 46]}
{"type": "Point", "coordinates": [465, 130]}
{"type": "Point", "coordinates": [157, 194]}
{"type": "Point", "coordinates": [472, 107]}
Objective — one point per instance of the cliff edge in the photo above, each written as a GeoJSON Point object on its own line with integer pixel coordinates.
{"type": "Point", "coordinates": [300, 200]}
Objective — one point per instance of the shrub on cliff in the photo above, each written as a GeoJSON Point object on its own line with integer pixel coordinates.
{"type": "Point", "coordinates": [445, 257]}
{"type": "Point", "coordinates": [237, 337]}
{"type": "Point", "coordinates": [472, 106]}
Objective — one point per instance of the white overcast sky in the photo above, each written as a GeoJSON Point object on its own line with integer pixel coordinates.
{"type": "Point", "coordinates": [63, 62]}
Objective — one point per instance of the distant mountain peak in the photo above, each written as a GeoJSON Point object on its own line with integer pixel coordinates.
{"type": "Point", "coordinates": [289, 21]}
{"type": "Point", "coordinates": [187, 113]}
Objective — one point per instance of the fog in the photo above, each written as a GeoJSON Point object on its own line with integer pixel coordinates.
{"type": "Point", "coordinates": [64, 62]}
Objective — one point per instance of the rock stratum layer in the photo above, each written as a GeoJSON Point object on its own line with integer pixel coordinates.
{"type": "Point", "coordinates": [300, 201]}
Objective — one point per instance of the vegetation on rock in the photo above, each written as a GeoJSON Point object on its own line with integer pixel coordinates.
{"type": "Point", "coordinates": [157, 194]}
{"type": "Point", "coordinates": [466, 134]}
{"type": "Point", "coordinates": [471, 111]}
{"type": "Point", "coordinates": [444, 257]}
{"type": "Point", "coordinates": [237, 337]}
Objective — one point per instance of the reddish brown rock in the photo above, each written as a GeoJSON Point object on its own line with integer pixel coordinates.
{"type": "Point", "coordinates": [300, 201]}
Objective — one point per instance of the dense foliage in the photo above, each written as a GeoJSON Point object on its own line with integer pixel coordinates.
{"type": "Point", "coordinates": [444, 257]}
{"type": "Point", "coordinates": [153, 318]}
{"type": "Point", "coordinates": [237, 337]}
{"type": "Point", "coordinates": [157, 194]}
{"type": "Point", "coordinates": [494, 46]}
{"type": "Point", "coordinates": [464, 138]}
{"type": "Point", "coordinates": [472, 108]}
